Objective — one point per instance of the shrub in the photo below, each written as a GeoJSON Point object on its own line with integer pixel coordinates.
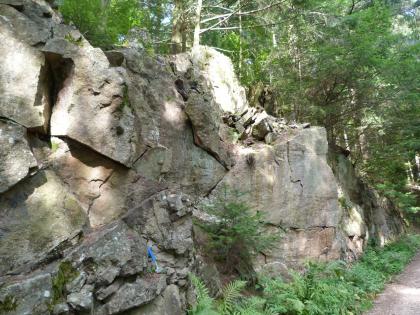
{"type": "Point", "coordinates": [236, 235]}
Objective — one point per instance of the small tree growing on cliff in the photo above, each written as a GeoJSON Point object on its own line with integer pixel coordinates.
{"type": "Point", "coordinates": [236, 235]}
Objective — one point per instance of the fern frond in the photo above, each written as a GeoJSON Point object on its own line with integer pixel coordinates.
{"type": "Point", "coordinates": [231, 292]}
{"type": "Point", "coordinates": [201, 290]}
{"type": "Point", "coordinates": [204, 304]}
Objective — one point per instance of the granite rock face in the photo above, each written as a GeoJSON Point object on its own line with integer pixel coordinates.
{"type": "Point", "coordinates": [290, 180]}
{"type": "Point", "coordinates": [105, 157]}
{"type": "Point", "coordinates": [23, 87]}
{"type": "Point", "coordinates": [35, 217]}
{"type": "Point", "coordinates": [171, 156]}
{"type": "Point", "coordinates": [367, 215]}
{"type": "Point", "coordinates": [16, 157]}
{"type": "Point", "coordinates": [92, 105]}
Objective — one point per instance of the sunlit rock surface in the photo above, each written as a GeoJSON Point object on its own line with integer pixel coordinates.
{"type": "Point", "coordinates": [105, 157]}
{"type": "Point", "coordinates": [92, 106]}
{"type": "Point", "coordinates": [171, 156]}
{"type": "Point", "coordinates": [16, 157]}
{"type": "Point", "coordinates": [23, 87]}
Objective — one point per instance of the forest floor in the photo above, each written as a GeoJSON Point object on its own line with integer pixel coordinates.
{"type": "Point", "coordinates": [402, 296]}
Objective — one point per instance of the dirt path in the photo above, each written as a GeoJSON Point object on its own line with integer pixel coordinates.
{"type": "Point", "coordinates": [401, 297]}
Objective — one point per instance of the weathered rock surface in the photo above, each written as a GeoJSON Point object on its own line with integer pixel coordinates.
{"type": "Point", "coordinates": [92, 105]}
{"type": "Point", "coordinates": [216, 71]}
{"type": "Point", "coordinates": [16, 158]}
{"type": "Point", "coordinates": [134, 144]}
{"type": "Point", "coordinates": [28, 296]}
{"type": "Point", "coordinates": [367, 215]}
{"type": "Point", "coordinates": [172, 156]}
{"type": "Point", "coordinates": [290, 181]}
{"type": "Point", "coordinates": [23, 88]}
{"type": "Point", "coordinates": [35, 217]}
{"type": "Point", "coordinates": [140, 292]}
{"type": "Point", "coordinates": [168, 303]}
{"type": "Point", "coordinates": [105, 189]}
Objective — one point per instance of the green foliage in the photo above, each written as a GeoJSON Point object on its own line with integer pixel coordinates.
{"type": "Point", "coordinates": [333, 288]}
{"type": "Point", "coordinates": [236, 235]}
{"type": "Point", "coordinates": [343, 203]}
{"type": "Point", "coordinates": [8, 304]}
{"type": "Point", "coordinates": [232, 302]}
{"type": "Point", "coordinates": [54, 146]}
{"type": "Point", "coordinates": [66, 273]}
{"type": "Point", "coordinates": [204, 303]}
{"type": "Point", "coordinates": [404, 200]}
{"type": "Point", "coordinates": [103, 23]}
{"type": "Point", "coordinates": [336, 288]}
{"type": "Point", "coordinates": [231, 293]}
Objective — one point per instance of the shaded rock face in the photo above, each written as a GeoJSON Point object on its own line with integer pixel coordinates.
{"type": "Point", "coordinates": [171, 155]}
{"type": "Point", "coordinates": [367, 215]}
{"type": "Point", "coordinates": [35, 216]}
{"type": "Point", "coordinates": [105, 155]}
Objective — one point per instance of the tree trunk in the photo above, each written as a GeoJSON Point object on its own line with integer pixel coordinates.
{"type": "Point", "coordinates": [177, 28]}
{"type": "Point", "coordinates": [240, 41]}
{"type": "Point", "coordinates": [197, 28]}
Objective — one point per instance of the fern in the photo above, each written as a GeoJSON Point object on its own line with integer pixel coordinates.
{"type": "Point", "coordinates": [324, 288]}
{"type": "Point", "coordinates": [204, 303]}
{"type": "Point", "coordinates": [231, 293]}
{"type": "Point", "coordinates": [253, 305]}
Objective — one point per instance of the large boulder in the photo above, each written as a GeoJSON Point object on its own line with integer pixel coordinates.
{"type": "Point", "coordinates": [292, 184]}
{"type": "Point", "coordinates": [216, 71]}
{"type": "Point", "coordinates": [23, 87]}
{"type": "Point", "coordinates": [92, 106]}
{"type": "Point", "coordinates": [16, 158]}
{"type": "Point", "coordinates": [289, 180]}
{"type": "Point", "coordinates": [168, 303]}
{"type": "Point", "coordinates": [104, 188]}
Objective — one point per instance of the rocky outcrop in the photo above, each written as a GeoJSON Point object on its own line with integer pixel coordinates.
{"type": "Point", "coordinates": [22, 65]}
{"type": "Point", "coordinates": [106, 156]}
{"type": "Point", "coordinates": [367, 216]}
{"type": "Point", "coordinates": [16, 158]}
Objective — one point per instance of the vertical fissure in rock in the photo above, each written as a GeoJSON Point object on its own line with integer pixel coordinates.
{"type": "Point", "coordinates": [60, 71]}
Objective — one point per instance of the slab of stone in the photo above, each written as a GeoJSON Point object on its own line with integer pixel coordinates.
{"type": "Point", "coordinates": [290, 181]}
{"type": "Point", "coordinates": [16, 158]}
{"type": "Point", "coordinates": [168, 303]}
{"type": "Point", "coordinates": [92, 105]}
{"type": "Point", "coordinates": [24, 92]}
{"type": "Point", "coordinates": [29, 296]}
{"type": "Point", "coordinates": [35, 215]}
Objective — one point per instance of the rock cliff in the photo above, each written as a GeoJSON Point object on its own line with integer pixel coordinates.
{"type": "Point", "coordinates": [106, 155]}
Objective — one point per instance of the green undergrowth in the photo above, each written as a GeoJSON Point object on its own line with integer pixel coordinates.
{"type": "Point", "coordinates": [334, 288]}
